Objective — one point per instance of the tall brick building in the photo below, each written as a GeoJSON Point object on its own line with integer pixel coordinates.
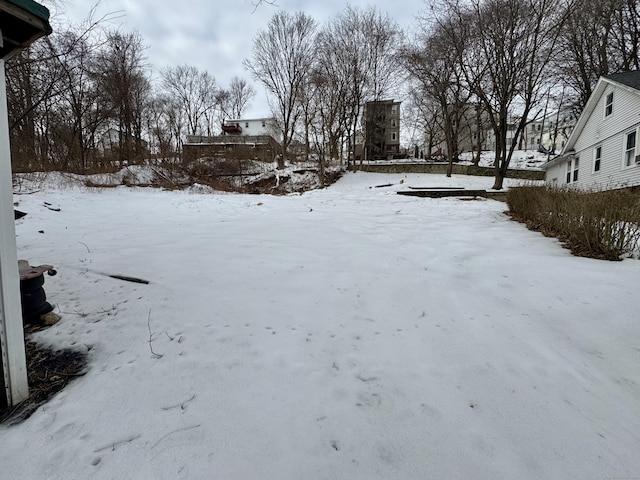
{"type": "Point", "coordinates": [382, 129]}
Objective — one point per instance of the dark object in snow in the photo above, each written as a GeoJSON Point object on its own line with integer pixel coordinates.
{"type": "Point", "coordinates": [51, 207]}
{"type": "Point", "coordinates": [436, 188]}
{"type": "Point", "coordinates": [444, 193]}
{"type": "Point", "coordinates": [32, 295]}
{"type": "Point", "coordinates": [18, 214]}
{"type": "Point", "coordinates": [130, 279]}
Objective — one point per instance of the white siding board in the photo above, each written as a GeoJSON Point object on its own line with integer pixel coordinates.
{"type": "Point", "coordinates": [254, 126]}
{"type": "Point", "coordinates": [610, 133]}
{"type": "Point", "coordinates": [558, 172]}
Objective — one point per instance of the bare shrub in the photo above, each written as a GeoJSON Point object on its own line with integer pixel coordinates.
{"type": "Point", "coordinates": [602, 225]}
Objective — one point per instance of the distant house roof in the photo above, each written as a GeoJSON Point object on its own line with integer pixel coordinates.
{"type": "Point", "coordinates": [232, 120]}
{"type": "Point", "coordinates": [630, 79]}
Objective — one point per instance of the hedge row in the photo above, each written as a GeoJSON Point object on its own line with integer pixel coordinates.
{"type": "Point", "coordinates": [595, 224]}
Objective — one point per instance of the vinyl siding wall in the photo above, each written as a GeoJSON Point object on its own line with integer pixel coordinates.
{"type": "Point", "coordinates": [609, 133]}
{"type": "Point", "coordinates": [555, 176]}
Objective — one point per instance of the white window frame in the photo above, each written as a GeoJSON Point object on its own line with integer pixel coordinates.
{"type": "Point", "coordinates": [597, 158]}
{"type": "Point", "coordinates": [608, 104]}
{"type": "Point", "coordinates": [573, 169]}
{"type": "Point", "coordinates": [629, 153]}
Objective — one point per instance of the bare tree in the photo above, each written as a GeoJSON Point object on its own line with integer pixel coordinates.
{"type": "Point", "coordinates": [361, 45]}
{"type": "Point", "coordinates": [599, 37]}
{"type": "Point", "coordinates": [55, 108]}
{"type": "Point", "coordinates": [80, 105]}
{"type": "Point", "coordinates": [507, 62]}
{"type": "Point", "coordinates": [329, 91]}
{"type": "Point", "coordinates": [626, 35]}
{"type": "Point", "coordinates": [435, 67]}
{"type": "Point", "coordinates": [282, 58]}
{"type": "Point", "coordinates": [158, 127]}
{"type": "Point", "coordinates": [257, 3]}
{"type": "Point", "coordinates": [239, 97]}
{"type": "Point", "coordinates": [421, 113]}
{"type": "Point", "coordinates": [122, 77]}
{"type": "Point", "coordinates": [195, 92]}
{"type": "Point", "coordinates": [325, 124]}
{"type": "Point", "coordinates": [28, 88]}
{"type": "Point", "coordinates": [342, 46]}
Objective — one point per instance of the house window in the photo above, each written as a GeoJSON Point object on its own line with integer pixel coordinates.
{"type": "Point", "coordinates": [572, 170]}
{"type": "Point", "coordinates": [608, 106]}
{"type": "Point", "coordinates": [630, 149]}
{"type": "Point", "coordinates": [597, 156]}
{"type": "Point", "coordinates": [393, 136]}
{"type": "Point", "coordinates": [246, 124]}
{"type": "Point", "coordinates": [264, 124]}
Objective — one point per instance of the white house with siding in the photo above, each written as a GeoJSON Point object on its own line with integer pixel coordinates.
{"type": "Point", "coordinates": [603, 151]}
{"type": "Point", "coordinates": [252, 127]}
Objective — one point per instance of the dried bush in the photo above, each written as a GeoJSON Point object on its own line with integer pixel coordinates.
{"type": "Point", "coordinates": [596, 224]}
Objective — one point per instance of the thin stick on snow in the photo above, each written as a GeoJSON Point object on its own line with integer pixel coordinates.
{"type": "Point", "coordinates": [174, 431]}
{"type": "Point", "coordinates": [156, 355]}
{"type": "Point", "coordinates": [181, 405]}
{"type": "Point", "coordinates": [113, 445]}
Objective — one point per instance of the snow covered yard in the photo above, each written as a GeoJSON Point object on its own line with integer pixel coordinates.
{"type": "Point", "coordinates": [347, 333]}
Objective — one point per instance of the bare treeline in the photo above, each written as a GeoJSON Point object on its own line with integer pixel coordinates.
{"type": "Point", "coordinates": [503, 61]}
{"type": "Point", "coordinates": [320, 77]}
{"type": "Point", "coordinates": [82, 100]}
{"type": "Point", "coordinates": [84, 96]}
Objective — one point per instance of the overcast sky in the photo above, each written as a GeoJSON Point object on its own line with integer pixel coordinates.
{"type": "Point", "coordinates": [216, 35]}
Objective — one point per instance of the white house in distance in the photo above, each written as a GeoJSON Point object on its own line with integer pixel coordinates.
{"type": "Point", "coordinates": [251, 127]}
{"type": "Point", "coordinates": [254, 138]}
{"type": "Point", "coordinates": [550, 133]}
{"type": "Point", "coordinates": [602, 152]}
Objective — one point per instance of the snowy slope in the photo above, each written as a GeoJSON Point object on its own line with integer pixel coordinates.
{"type": "Point", "coordinates": [346, 333]}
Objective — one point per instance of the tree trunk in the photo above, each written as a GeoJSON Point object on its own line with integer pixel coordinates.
{"type": "Point", "coordinates": [498, 180]}
{"type": "Point", "coordinates": [281, 157]}
{"type": "Point", "coordinates": [450, 146]}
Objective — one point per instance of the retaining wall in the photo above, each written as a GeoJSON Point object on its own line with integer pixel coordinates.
{"type": "Point", "coordinates": [442, 168]}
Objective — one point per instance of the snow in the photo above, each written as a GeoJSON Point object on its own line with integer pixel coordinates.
{"type": "Point", "coordinates": [348, 332]}
{"type": "Point", "coordinates": [521, 159]}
